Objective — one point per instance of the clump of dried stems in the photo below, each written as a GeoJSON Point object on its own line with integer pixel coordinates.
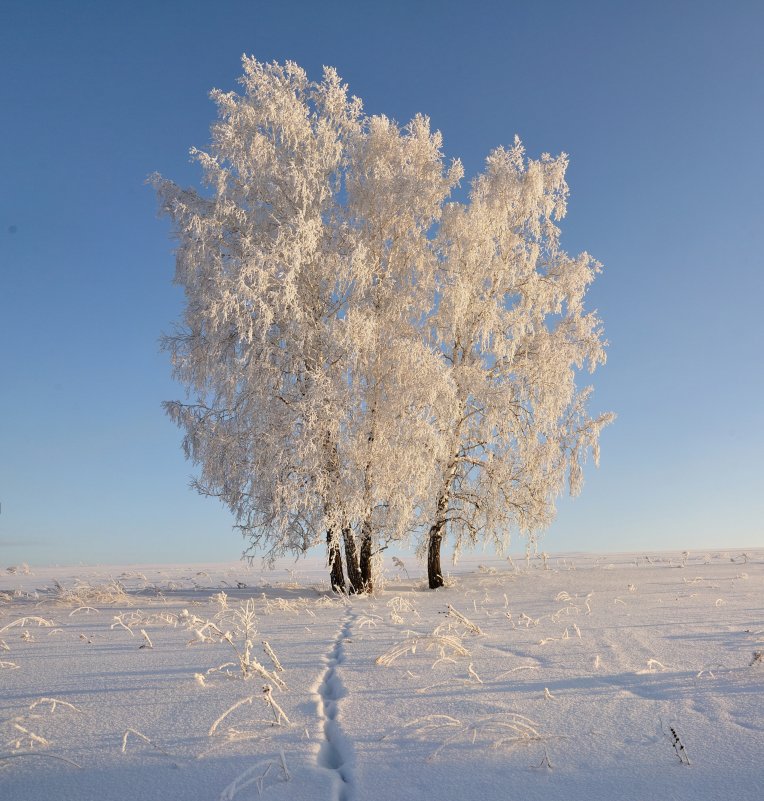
{"type": "Point", "coordinates": [446, 645]}
{"type": "Point", "coordinates": [240, 637]}
{"type": "Point", "coordinates": [497, 731]}
{"type": "Point", "coordinates": [84, 594]}
{"type": "Point", "coordinates": [278, 713]}
{"type": "Point", "coordinates": [256, 774]}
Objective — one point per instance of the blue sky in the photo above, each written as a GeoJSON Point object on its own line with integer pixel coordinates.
{"type": "Point", "coordinates": [659, 104]}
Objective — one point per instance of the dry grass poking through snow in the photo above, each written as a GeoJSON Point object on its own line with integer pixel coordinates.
{"type": "Point", "coordinates": [257, 775]}
{"type": "Point", "coordinates": [84, 594]}
{"type": "Point", "coordinates": [446, 645]}
{"type": "Point", "coordinates": [500, 730]}
{"type": "Point", "coordinates": [237, 627]}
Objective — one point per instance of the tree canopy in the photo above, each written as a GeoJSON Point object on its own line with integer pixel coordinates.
{"type": "Point", "coordinates": [367, 360]}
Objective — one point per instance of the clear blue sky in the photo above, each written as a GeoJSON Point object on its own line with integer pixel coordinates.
{"type": "Point", "coordinates": [659, 104]}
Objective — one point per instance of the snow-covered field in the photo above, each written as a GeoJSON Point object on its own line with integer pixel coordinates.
{"type": "Point", "coordinates": [620, 677]}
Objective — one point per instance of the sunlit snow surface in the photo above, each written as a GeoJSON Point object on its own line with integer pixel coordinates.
{"type": "Point", "coordinates": [592, 678]}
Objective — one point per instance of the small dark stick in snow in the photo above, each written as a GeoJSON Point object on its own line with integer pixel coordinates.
{"type": "Point", "coordinates": [678, 745]}
{"type": "Point", "coordinates": [545, 763]}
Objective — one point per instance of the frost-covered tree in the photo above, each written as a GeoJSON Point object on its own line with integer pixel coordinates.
{"type": "Point", "coordinates": [304, 266]}
{"type": "Point", "coordinates": [510, 324]}
{"type": "Point", "coordinates": [266, 263]}
{"type": "Point", "coordinates": [364, 360]}
{"type": "Point", "coordinates": [396, 188]}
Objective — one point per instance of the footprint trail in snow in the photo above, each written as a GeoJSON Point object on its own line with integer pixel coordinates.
{"type": "Point", "coordinates": [336, 753]}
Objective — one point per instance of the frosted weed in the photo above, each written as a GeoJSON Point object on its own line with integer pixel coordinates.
{"type": "Point", "coordinates": [278, 713]}
{"type": "Point", "coordinates": [27, 730]}
{"type": "Point", "coordinates": [517, 669]}
{"type": "Point", "coordinates": [527, 620]}
{"type": "Point", "coordinates": [464, 621]}
{"type": "Point", "coordinates": [148, 740]}
{"type": "Point", "coordinates": [654, 666]}
{"type": "Point", "coordinates": [256, 774]}
{"type": "Point", "coordinates": [23, 569]}
{"type": "Point", "coordinates": [281, 605]}
{"type": "Point", "coordinates": [495, 731]}
{"type": "Point", "coordinates": [271, 654]}
{"type": "Point", "coordinates": [84, 594]}
{"type": "Point", "coordinates": [22, 734]}
{"type": "Point", "coordinates": [240, 637]}
{"type": "Point", "coordinates": [54, 704]}
{"type": "Point", "coordinates": [221, 599]}
{"type": "Point", "coordinates": [23, 622]}
{"type": "Point", "coordinates": [398, 605]}
{"type": "Point", "coordinates": [367, 621]}
{"type": "Point", "coordinates": [136, 618]}
{"type": "Point", "coordinates": [398, 563]}
{"type": "Point", "coordinates": [447, 645]}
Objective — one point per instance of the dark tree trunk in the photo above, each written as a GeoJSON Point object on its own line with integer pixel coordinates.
{"type": "Point", "coordinates": [351, 562]}
{"type": "Point", "coordinates": [434, 573]}
{"type": "Point", "coordinates": [335, 562]}
{"type": "Point", "coordinates": [435, 537]}
{"type": "Point", "coordinates": [367, 579]}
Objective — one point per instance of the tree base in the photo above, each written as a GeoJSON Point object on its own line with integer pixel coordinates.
{"type": "Point", "coordinates": [336, 574]}
{"type": "Point", "coordinates": [434, 573]}
{"type": "Point", "coordinates": [367, 577]}
{"type": "Point", "coordinates": [355, 580]}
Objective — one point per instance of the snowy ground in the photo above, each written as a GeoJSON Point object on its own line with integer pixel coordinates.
{"type": "Point", "coordinates": [620, 677]}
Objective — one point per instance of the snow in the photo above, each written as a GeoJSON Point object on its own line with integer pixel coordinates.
{"type": "Point", "coordinates": [592, 678]}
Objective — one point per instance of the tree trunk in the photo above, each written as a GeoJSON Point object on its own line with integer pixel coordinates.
{"type": "Point", "coordinates": [434, 573]}
{"type": "Point", "coordinates": [351, 560]}
{"type": "Point", "coordinates": [435, 536]}
{"type": "Point", "coordinates": [367, 579]}
{"type": "Point", "coordinates": [335, 562]}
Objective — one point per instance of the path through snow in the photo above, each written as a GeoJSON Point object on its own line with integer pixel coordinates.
{"type": "Point", "coordinates": [602, 656]}
{"type": "Point", "coordinates": [335, 753]}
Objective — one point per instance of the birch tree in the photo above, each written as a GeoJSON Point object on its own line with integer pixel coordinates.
{"type": "Point", "coordinates": [397, 185]}
{"type": "Point", "coordinates": [510, 325]}
{"type": "Point", "coordinates": [266, 266]}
